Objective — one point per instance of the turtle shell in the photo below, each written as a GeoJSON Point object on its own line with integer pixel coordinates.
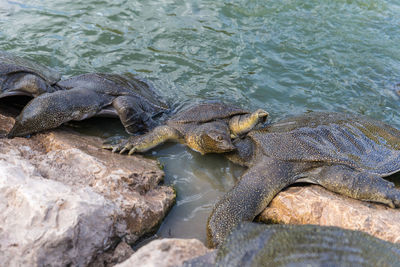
{"type": "Point", "coordinates": [10, 63]}
{"type": "Point", "coordinates": [205, 112]}
{"type": "Point", "coordinates": [115, 85]}
{"type": "Point", "coordinates": [335, 138]}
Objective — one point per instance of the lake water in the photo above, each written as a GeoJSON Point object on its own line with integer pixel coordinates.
{"type": "Point", "coordinates": [286, 56]}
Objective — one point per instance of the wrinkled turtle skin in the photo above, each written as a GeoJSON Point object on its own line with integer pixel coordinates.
{"type": "Point", "coordinates": [347, 154]}
{"type": "Point", "coordinates": [19, 76]}
{"type": "Point", "coordinates": [252, 244]}
{"type": "Point", "coordinates": [55, 102]}
{"type": "Point", "coordinates": [205, 127]}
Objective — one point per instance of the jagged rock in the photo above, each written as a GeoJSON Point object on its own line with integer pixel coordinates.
{"type": "Point", "coordinates": [315, 205]}
{"type": "Point", "coordinates": [166, 252]}
{"type": "Point", "coordinates": [64, 200]}
{"type": "Point", "coordinates": [43, 222]}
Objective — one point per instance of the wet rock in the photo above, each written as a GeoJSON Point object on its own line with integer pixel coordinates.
{"type": "Point", "coordinates": [166, 252]}
{"type": "Point", "coordinates": [315, 205]}
{"type": "Point", "coordinates": [64, 200]}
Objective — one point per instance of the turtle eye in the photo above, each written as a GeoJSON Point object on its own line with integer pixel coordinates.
{"type": "Point", "coordinates": [219, 138]}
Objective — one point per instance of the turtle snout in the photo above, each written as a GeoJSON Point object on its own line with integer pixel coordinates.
{"type": "Point", "coordinates": [19, 129]}
{"type": "Point", "coordinates": [14, 131]}
{"type": "Point", "coordinates": [226, 146]}
{"type": "Point", "coordinates": [262, 113]}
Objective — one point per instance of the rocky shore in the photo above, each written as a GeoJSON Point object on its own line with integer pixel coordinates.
{"type": "Point", "coordinates": [65, 201]}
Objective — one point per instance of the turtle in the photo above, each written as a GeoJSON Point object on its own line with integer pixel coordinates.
{"type": "Point", "coordinates": [19, 76]}
{"type": "Point", "coordinates": [253, 244]}
{"type": "Point", "coordinates": [345, 153]}
{"type": "Point", "coordinates": [204, 127]}
{"type": "Point", "coordinates": [57, 101]}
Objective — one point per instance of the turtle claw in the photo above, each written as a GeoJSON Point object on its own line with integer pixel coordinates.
{"type": "Point", "coordinates": [133, 150]}
{"type": "Point", "coordinates": [123, 150]}
{"type": "Point", "coordinates": [107, 146]}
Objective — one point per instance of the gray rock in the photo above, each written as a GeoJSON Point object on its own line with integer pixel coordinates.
{"type": "Point", "coordinates": [64, 200]}
{"type": "Point", "coordinates": [44, 222]}
{"type": "Point", "coordinates": [166, 252]}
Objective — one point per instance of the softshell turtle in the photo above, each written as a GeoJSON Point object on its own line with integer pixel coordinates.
{"type": "Point", "coordinates": [95, 94]}
{"type": "Point", "coordinates": [347, 154]}
{"type": "Point", "coordinates": [205, 127]}
{"type": "Point", "coordinates": [252, 244]}
{"type": "Point", "coordinates": [19, 76]}
{"type": "Point", "coordinates": [128, 97]}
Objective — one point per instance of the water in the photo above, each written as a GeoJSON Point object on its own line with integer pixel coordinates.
{"type": "Point", "coordinates": [286, 56]}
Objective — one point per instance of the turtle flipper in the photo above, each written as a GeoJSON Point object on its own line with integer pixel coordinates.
{"type": "Point", "coordinates": [133, 114]}
{"type": "Point", "coordinates": [50, 110]}
{"type": "Point", "coordinates": [147, 141]}
{"type": "Point", "coordinates": [252, 193]}
{"type": "Point", "coordinates": [359, 185]}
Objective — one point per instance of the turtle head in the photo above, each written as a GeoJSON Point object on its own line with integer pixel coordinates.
{"type": "Point", "coordinates": [242, 124]}
{"type": "Point", "coordinates": [213, 137]}
{"type": "Point", "coordinates": [38, 115]}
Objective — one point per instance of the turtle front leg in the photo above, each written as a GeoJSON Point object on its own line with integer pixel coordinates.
{"type": "Point", "coordinates": [145, 142]}
{"type": "Point", "coordinates": [252, 194]}
{"type": "Point", "coordinates": [358, 185]}
{"type": "Point", "coordinates": [133, 114]}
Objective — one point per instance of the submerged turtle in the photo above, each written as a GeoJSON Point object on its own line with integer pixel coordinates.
{"type": "Point", "coordinates": [19, 76]}
{"type": "Point", "coordinates": [55, 102]}
{"type": "Point", "coordinates": [206, 128]}
{"type": "Point", "coordinates": [347, 154]}
{"type": "Point", "coordinates": [252, 244]}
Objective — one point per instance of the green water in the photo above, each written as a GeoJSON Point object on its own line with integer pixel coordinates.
{"type": "Point", "coordinates": [286, 56]}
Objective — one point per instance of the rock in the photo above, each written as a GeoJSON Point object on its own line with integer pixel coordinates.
{"type": "Point", "coordinates": [121, 253]}
{"type": "Point", "coordinates": [315, 205]}
{"type": "Point", "coordinates": [166, 252]}
{"type": "Point", "coordinates": [43, 222]}
{"type": "Point", "coordinates": [6, 123]}
{"type": "Point", "coordinates": [64, 200]}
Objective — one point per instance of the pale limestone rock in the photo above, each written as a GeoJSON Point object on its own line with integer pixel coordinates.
{"type": "Point", "coordinates": [315, 205]}
{"type": "Point", "coordinates": [44, 222]}
{"type": "Point", "coordinates": [65, 200]}
{"type": "Point", "coordinates": [166, 252]}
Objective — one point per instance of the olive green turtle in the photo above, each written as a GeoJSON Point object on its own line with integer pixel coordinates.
{"type": "Point", "coordinates": [19, 76]}
{"type": "Point", "coordinates": [55, 102]}
{"type": "Point", "coordinates": [252, 244]}
{"type": "Point", "coordinates": [205, 127]}
{"type": "Point", "coordinates": [345, 153]}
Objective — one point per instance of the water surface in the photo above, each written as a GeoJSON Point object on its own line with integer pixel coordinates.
{"type": "Point", "coordinates": [286, 56]}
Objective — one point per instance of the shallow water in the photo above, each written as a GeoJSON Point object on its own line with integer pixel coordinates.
{"type": "Point", "coordinates": [285, 56]}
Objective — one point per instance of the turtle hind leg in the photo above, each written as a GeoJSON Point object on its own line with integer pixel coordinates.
{"type": "Point", "coordinates": [359, 185]}
{"type": "Point", "coordinates": [147, 141]}
{"type": "Point", "coordinates": [133, 114]}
